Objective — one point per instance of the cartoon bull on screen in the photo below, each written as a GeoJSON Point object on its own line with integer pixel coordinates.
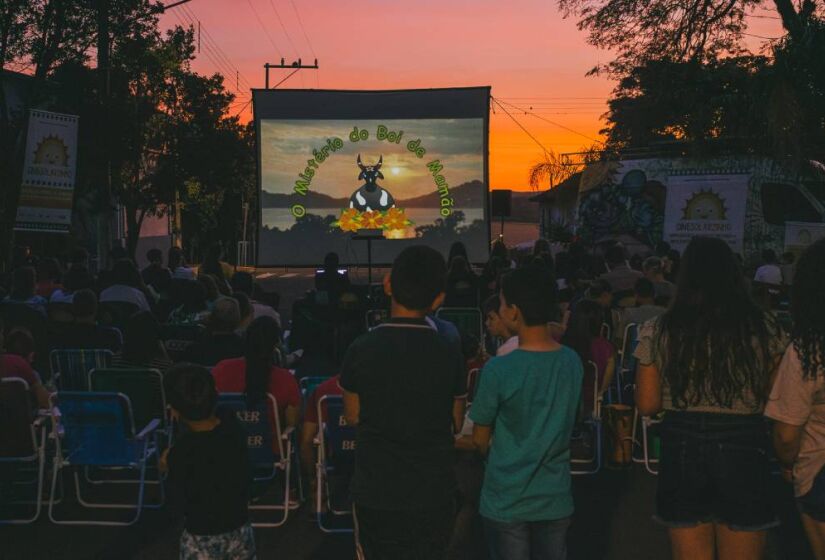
{"type": "Point", "coordinates": [370, 195]}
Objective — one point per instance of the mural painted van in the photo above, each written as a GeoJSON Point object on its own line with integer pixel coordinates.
{"type": "Point", "coordinates": [752, 203]}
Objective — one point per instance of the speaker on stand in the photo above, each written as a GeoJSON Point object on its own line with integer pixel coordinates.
{"type": "Point", "coordinates": [501, 206]}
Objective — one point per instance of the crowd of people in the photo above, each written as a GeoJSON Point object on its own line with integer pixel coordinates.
{"type": "Point", "coordinates": [737, 381]}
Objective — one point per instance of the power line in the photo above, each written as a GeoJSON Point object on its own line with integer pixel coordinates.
{"type": "Point", "coordinates": [286, 33]}
{"type": "Point", "coordinates": [567, 128]}
{"type": "Point", "coordinates": [266, 31]}
{"type": "Point", "coordinates": [527, 132]}
{"type": "Point", "coordinates": [303, 29]}
{"type": "Point", "coordinates": [211, 55]}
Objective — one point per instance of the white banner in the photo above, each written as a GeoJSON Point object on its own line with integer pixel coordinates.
{"type": "Point", "coordinates": [48, 173]}
{"type": "Point", "coordinates": [708, 206]}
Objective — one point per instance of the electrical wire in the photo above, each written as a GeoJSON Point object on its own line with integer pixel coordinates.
{"type": "Point", "coordinates": [265, 30]}
{"type": "Point", "coordinates": [567, 128]}
{"type": "Point", "coordinates": [286, 33]}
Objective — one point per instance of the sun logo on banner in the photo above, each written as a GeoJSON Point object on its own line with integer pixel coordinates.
{"type": "Point", "coordinates": [705, 205]}
{"type": "Point", "coordinates": [51, 151]}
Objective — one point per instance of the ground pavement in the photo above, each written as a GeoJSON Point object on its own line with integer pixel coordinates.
{"type": "Point", "coordinates": [612, 521]}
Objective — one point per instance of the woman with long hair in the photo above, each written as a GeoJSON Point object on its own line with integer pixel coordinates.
{"type": "Point", "coordinates": [462, 284]}
{"type": "Point", "coordinates": [797, 401]}
{"type": "Point", "coordinates": [142, 344]}
{"type": "Point", "coordinates": [256, 373]}
{"type": "Point", "coordinates": [583, 335]}
{"type": "Point", "coordinates": [707, 362]}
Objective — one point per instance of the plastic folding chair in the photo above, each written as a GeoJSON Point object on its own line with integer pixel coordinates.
{"type": "Point", "coordinates": [336, 458]}
{"type": "Point", "coordinates": [178, 338]}
{"type": "Point", "coordinates": [22, 444]}
{"type": "Point", "coordinates": [468, 320]}
{"type": "Point", "coordinates": [472, 383]}
{"type": "Point", "coordinates": [591, 425]}
{"type": "Point", "coordinates": [70, 368]}
{"type": "Point", "coordinates": [260, 437]}
{"type": "Point", "coordinates": [626, 372]}
{"type": "Point", "coordinates": [98, 430]}
{"type": "Point", "coordinates": [605, 331]}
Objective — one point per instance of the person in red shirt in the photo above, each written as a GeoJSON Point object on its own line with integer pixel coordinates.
{"type": "Point", "coordinates": [256, 373]}
{"type": "Point", "coordinates": [311, 422]}
{"type": "Point", "coordinates": [12, 365]}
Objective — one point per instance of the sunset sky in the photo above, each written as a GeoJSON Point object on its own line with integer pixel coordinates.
{"type": "Point", "coordinates": [524, 49]}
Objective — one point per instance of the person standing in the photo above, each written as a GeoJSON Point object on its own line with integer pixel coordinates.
{"type": "Point", "coordinates": [797, 401]}
{"type": "Point", "coordinates": [707, 361]}
{"type": "Point", "coordinates": [530, 397]}
{"type": "Point", "coordinates": [405, 390]}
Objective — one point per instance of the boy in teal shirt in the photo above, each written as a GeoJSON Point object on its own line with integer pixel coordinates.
{"type": "Point", "coordinates": [530, 398]}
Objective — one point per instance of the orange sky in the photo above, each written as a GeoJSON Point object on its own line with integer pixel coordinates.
{"type": "Point", "coordinates": [524, 49]}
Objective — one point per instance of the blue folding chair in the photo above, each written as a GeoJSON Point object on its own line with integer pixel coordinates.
{"type": "Point", "coordinates": [468, 320]}
{"type": "Point", "coordinates": [336, 458]}
{"type": "Point", "coordinates": [591, 427]}
{"type": "Point", "coordinates": [97, 430]}
{"type": "Point", "coordinates": [266, 463]}
{"type": "Point", "coordinates": [70, 368]}
{"type": "Point", "coordinates": [22, 444]}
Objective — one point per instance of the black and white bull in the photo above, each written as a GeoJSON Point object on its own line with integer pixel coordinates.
{"type": "Point", "coordinates": [370, 195]}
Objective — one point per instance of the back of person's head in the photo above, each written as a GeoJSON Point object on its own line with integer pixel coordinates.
{"type": "Point", "coordinates": [22, 283]}
{"type": "Point", "coordinates": [331, 262]}
{"type": "Point", "coordinates": [653, 266]}
{"type": "Point", "coordinates": [210, 287]}
{"type": "Point", "coordinates": [418, 277]}
{"type": "Point", "coordinates": [190, 390]}
{"type": "Point", "coordinates": [84, 304]}
{"type": "Point", "coordinates": [541, 246]}
{"type": "Point", "coordinates": [244, 305]}
{"type": "Point", "coordinates": [174, 258]}
{"type": "Point", "coordinates": [491, 305]}
{"type": "Point", "coordinates": [116, 253]}
{"type": "Point", "coordinates": [48, 270]}
{"type": "Point", "coordinates": [457, 249]}
{"type": "Point", "coordinates": [493, 268]}
{"type": "Point", "coordinates": [155, 256]}
{"type": "Point", "coordinates": [242, 282]}
{"type": "Point", "coordinates": [615, 256]}
{"type": "Point", "coordinates": [225, 316]}
{"type": "Point", "coordinates": [499, 249]}
{"type": "Point", "coordinates": [141, 337]}
{"type": "Point", "coordinates": [531, 290]}
{"type": "Point", "coordinates": [262, 336]}
{"type": "Point", "coordinates": [808, 310]}
{"type": "Point", "coordinates": [583, 327]}
{"type": "Point", "coordinates": [459, 269]}
{"type": "Point", "coordinates": [598, 289]}
{"type": "Point", "coordinates": [125, 273]}
{"type": "Point", "coordinates": [193, 298]}
{"type": "Point", "coordinates": [644, 289]}
{"type": "Point", "coordinates": [713, 338]}
{"type": "Point", "coordinates": [77, 278]}
{"type": "Point", "coordinates": [769, 256]}
{"type": "Point", "coordinates": [20, 342]}
{"type": "Point", "coordinates": [79, 257]}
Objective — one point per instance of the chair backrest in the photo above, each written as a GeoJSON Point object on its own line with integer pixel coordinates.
{"type": "Point", "coordinates": [605, 331]}
{"type": "Point", "coordinates": [337, 437]}
{"type": "Point", "coordinates": [629, 342]}
{"type": "Point", "coordinates": [178, 338]}
{"type": "Point", "coordinates": [309, 384]}
{"type": "Point", "coordinates": [590, 368]}
{"type": "Point", "coordinates": [17, 438]}
{"type": "Point", "coordinates": [472, 383]}
{"type": "Point", "coordinates": [255, 420]}
{"type": "Point", "coordinates": [468, 320]}
{"type": "Point", "coordinates": [143, 387]}
{"type": "Point", "coordinates": [97, 428]}
{"type": "Point", "coordinates": [71, 368]}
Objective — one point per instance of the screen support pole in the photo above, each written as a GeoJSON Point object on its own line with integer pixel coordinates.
{"type": "Point", "coordinates": [369, 235]}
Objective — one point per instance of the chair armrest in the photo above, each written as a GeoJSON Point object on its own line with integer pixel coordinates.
{"type": "Point", "coordinates": [286, 434]}
{"type": "Point", "coordinates": [148, 429]}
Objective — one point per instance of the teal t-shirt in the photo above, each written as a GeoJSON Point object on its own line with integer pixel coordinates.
{"type": "Point", "coordinates": [530, 399]}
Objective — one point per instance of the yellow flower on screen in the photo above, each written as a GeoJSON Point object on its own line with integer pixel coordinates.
{"type": "Point", "coordinates": [372, 220]}
{"type": "Point", "coordinates": [349, 220]}
{"type": "Point", "coordinates": [395, 218]}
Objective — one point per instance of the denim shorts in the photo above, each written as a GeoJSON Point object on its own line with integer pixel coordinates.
{"type": "Point", "coordinates": [714, 469]}
{"type": "Point", "coordinates": [813, 503]}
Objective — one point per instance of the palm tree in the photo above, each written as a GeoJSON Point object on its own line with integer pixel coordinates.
{"type": "Point", "coordinates": [553, 169]}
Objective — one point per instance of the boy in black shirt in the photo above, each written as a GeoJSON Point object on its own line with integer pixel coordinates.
{"type": "Point", "coordinates": [209, 470]}
{"type": "Point", "coordinates": [405, 388]}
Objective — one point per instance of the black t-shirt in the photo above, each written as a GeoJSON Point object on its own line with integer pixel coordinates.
{"type": "Point", "coordinates": [76, 335]}
{"type": "Point", "coordinates": [406, 376]}
{"type": "Point", "coordinates": [213, 348]}
{"type": "Point", "coordinates": [209, 473]}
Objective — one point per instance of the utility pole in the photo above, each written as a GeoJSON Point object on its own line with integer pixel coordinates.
{"type": "Point", "coordinates": [295, 66]}
{"type": "Point", "coordinates": [104, 230]}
